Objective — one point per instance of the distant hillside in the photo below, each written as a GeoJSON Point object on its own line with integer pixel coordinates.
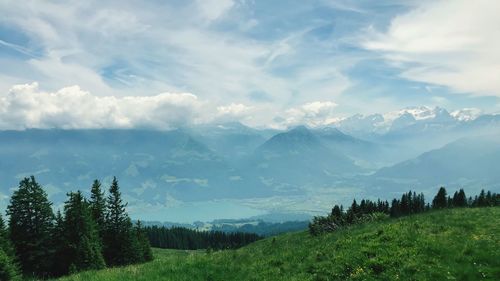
{"type": "Point", "coordinates": [471, 161]}
{"type": "Point", "coordinates": [299, 157]}
{"type": "Point", "coordinates": [152, 165]}
{"type": "Point", "coordinates": [453, 244]}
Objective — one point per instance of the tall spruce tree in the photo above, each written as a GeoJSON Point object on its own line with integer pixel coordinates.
{"type": "Point", "coordinates": [30, 225]}
{"type": "Point", "coordinates": [440, 201]}
{"type": "Point", "coordinates": [82, 246]}
{"type": "Point", "coordinates": [120, 241]}
{"type": "Point", "coordinates": [98, 207]}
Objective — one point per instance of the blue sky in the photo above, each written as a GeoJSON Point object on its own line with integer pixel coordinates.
{"type": "Point", "coordinates": [75, 64]}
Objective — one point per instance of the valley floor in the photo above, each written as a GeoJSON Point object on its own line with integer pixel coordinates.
{"type": "Point", "coordinates": [455, 244]}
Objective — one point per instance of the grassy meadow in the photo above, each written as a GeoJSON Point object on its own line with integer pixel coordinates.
{"type": "Point", "coordinates": [453, 244]}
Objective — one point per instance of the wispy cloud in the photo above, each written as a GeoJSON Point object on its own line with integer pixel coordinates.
{"type": "Point", "coordinates": [450, 43]}
{"type": "Point", "coordinates": [258, 54]}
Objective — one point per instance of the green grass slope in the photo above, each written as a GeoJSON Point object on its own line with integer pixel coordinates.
{"type": "Point", "coordinates": [457, 244]}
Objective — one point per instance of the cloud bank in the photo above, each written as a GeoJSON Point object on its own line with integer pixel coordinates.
{"type": "Point", "coordinates": [25, 106]}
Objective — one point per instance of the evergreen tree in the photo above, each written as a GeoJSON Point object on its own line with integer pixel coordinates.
{"type": "Point", "coordinates": [440, 201]}
{"type": "Point", "coordinates": [82, 245]}
{"type": "Point", "coordinates": [98, 207]}
{"type": "Point", "coordinates": [143, 243]}
{"type": "Point", "coordinates": [60, 248]}
{"type": "Point", "coordinates": [459, 199]}
{"type": "Point", "coordinates": [120, 242]}
{"type": "Point", "coordinates": [30, 225]}
{"type": "Point", "coordinates": [337, 212]}
{"type": "Point", "coordinates": [5, 244]}
{"type": "Point", "coordinates": [489, 199]}
{"type": "Point", "coordinates": [481, 200]}
{"type": "Point", "coordinates": [8, 268]}
{"type": "Point", "coordinates": [404, 205]}
{"type": "Point", "coordinates": [395, 208]}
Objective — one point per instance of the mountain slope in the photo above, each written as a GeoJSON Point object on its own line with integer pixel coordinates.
{"type": "Point", "coordinates": [231, 140]}
{"type": "Point", "coordinates": [454, 244]}
{"type": "Point", "coordinates": [299, 157]}
{"type": "Point", "coordinates": [463, 162]}
{"type": "Point", "coordinates": [151, 165]}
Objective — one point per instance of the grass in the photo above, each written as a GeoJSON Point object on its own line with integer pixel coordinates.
{"type": "Point", "coordinates": [457, 244]}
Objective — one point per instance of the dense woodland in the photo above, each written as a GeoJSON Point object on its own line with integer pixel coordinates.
{"type": "Point", "coordinates": [263, 228]}
{"type": "Point", "coordinates": [410, 203]}
{"type": "Point", "coordinates": [89, 233]}
{"type": "Point", "coordinates": [189, 239]}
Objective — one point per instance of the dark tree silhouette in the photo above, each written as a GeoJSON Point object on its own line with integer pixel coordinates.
{"type": "Point", "coordinates": [31, 222]}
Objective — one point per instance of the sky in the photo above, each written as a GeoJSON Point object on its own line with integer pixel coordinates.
{"type": "Point", "coordinates": [166, 64]}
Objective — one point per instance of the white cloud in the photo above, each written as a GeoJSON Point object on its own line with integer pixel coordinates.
{"type": "Point", "coordinates": [314, 114]}
{"type": "Point", "coordinates": [131, 48]}
{"type": "Point", "coordinates": [25, 106]}
{"type": "Point", "coordinates": [450, 43]}
{"type": "Point", "coordinates": [213, 9]}
{"type": "Point", "coordinates": [234, 110]}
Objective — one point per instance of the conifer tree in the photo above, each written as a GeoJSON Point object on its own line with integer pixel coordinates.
{"type": "Point", "coordinates": [440, 200]}
{"type": "Point", "coordinates": [60, 249]}
{"type": "Point", "coordinates": [395, 208]}
{"type": "Point", "coordinates": [82, 245]}
{"type": "Point", "coordinates": [120, 241]}
{"type": "Point", "coordinates": [481, 200]}
{"type": "Point", "coordinates": [98, 207]}
{"type": "Point", "coordinates": [459, 199]}
{"type": "Point", "coordinates": [143, 243]}
{"type": "Point", "coordinates": [30, 226]}
{"type": "Point", "coordinates": [8, 268]}
{"type": "Point", "coordinates": [5, 244]}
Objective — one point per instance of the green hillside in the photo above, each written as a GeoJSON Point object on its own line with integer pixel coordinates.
{"type": "Point", "coordinates": [455, 244]}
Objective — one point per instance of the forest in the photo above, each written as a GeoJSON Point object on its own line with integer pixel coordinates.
{"type": "Point", "coordinates": [190, 239]}
{"type": "Point", "coordinates": [89, 234]}
{"type": "Point", "coordinates": [410, 203]}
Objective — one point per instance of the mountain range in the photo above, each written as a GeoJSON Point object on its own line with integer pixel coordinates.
{"type": "Point", "coordinates": [234, 171]}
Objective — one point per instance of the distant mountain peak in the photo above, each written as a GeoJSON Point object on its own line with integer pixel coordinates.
{"type": "Point", "coordinates": [466, 114]}
{"type": "Point", "coordinates": [298, 136]}
{"type": "Point", "coordinates": [300, 129]}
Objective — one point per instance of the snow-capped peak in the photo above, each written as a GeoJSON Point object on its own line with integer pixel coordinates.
{"type": "Point", "coordinates": [466, 114]}
{"type": "Point", "coordinates": [418, 112]}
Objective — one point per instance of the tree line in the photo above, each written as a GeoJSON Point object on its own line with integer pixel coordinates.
{"type": "Point", "coordinates": [409, 203]}
{"type": "Point", "coordinates": [89, 233]}
{"type": "Point", "coordinates": [190, 239]}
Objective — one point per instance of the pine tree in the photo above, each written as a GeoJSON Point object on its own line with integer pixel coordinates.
{"type": "Point", "coordinates": [30, 225]}
{"type": "Point", "coordinates": [59, 240]}
{"type": "Point", "coordinates": [98, 207]}
{"type": "Point", "coordinates": [120, 241]}
{"type": "Point", "coordinates": [440, 201]}
{"type": "Point", "coordinates": [82, 245]}
{"type": "Point", "coordinates": [395, 208]}
{"type": "Point", "coordinates": [404, 205]}
{"type": "Point", "coordinates": [5, 244]}
{"type": "Point", "coordinates": [8, 268]}
{"type": "Point", "coordinates": [143, 243]}
{"type": "Point", "coordinates": [337, 212]}
{"type": "Point", "coordinates": [459, 199]}
{"type": "Point", "coordinates": [481, 200]}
